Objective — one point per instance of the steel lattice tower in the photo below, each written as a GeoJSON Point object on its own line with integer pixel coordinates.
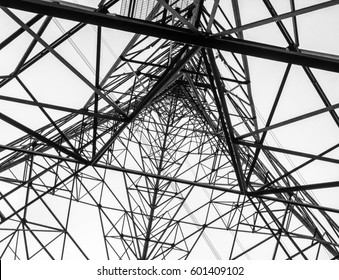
{"type": "Point", "coordinates": [211, 134]}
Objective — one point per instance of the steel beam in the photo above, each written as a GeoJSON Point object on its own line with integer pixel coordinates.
{"type": "Point", "coordinates": [40, 137]}
{"type": "Point", "coordinates": [270, 117]}
{"type": "Point", "coordinates": [225, 119]}
{"type": "Point", "coordinates": [63, 109]}
{"type": "Point", "coordinates": [63, 136]}
{"type": "Point", "coordinates": [17, 33]}
{"type": "Point", "coordinates": [276, 18]}
{"type": "Point", "coordinates": [261, 146]}
{"type": "Point", "coordinates": [240, 35]}
{"type": "Point", "coordinates": [37, 153]}
{"type": "Point", "coordinates": [326, 185]}
{"type": "Point", "coordinates": [217, 188]}
{"type": "Point", "coordinates": [307, 70]}
{"type": "Point", "coordinates": [295, 169]}
{"type": "Point", "coordinates": [77, 13]}
{"type": "Point", "coordinates": [289, 121]}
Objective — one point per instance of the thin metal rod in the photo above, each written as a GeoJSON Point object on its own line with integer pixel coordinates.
{"type": "Point", "coordinates": [309, 73]}
{"type": "Point", "coordinates": [236, 11]}
{"type": "Point", "coordinates": [227, 125]}
{"type": "Point", "coordinates": [61, 108]}
{"type": "Point", "coordinates": [47, 115]}
{"type": "Point", "coordinates": [287, 151]}
{"type": "Point", "coordinates": [280, 232]}
{"type": "Point", "coordinates": [177, 15]}
{"type": "Point", "coordinates": [18, 32]}
{"type": "Point", "coordinates": [270, 117]}
{"type": "Point", "coordinates": [289, 121]}
{"type": "Point", "coordinates": [32, 45]}
{"type": "Point", "coordinates": [253, 247]}
{"type": "Point", "coordinates": [277, 18]}
{"type": "Point", "coordinates": [295, 24]}
{"type": "Point", "coordinates": [40, 137]}
{"type": "Point", "coordinates": [97, 85]}
{"type": "Point", "coordinates": [212, 16]}
{"type": "Point", "coordinates": [261, 214]}
{"type": "Point", "coordinates": [318, 186]}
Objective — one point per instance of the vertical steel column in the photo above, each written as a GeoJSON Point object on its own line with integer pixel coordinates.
{"type": "Point", "coordinates": [97, 85]}
{"type": "Point", "coordinates": [28, 175]}
{"type": "Point", "coordinates": [236, 11]}
{"type": "Point", "coordinates": [295, 25]}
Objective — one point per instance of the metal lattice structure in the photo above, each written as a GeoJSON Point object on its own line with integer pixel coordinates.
{"type": "Point", "coordinates": [192, 131]}
{"type": "Point", "coordinates": [140, 9]}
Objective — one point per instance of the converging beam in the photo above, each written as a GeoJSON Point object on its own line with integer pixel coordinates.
{"type": "Point", "coordinates": [89, 16]}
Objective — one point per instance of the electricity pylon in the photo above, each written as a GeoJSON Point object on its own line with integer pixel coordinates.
{"type": "Point", "coordinates": [163, 152]}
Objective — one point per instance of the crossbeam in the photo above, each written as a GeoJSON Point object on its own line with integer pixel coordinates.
{"type": "Point", "coordinates": [90, 16]}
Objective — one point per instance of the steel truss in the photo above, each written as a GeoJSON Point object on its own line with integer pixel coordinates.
{"type": "Point", "coordinates": [166, 157]}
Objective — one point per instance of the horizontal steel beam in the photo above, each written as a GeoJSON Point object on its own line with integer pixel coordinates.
{"type": "Point", "coordinates": [89, 16]}
{"type": "Point", "coordinates": [61, 108]}
{"type": "Point", "coordinates": [318, 186]}
{"type": "Point", "coordinates": [227, 189]}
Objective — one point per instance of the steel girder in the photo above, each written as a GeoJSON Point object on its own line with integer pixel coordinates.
{"type": "Point", "coordinates": [73, 12]}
